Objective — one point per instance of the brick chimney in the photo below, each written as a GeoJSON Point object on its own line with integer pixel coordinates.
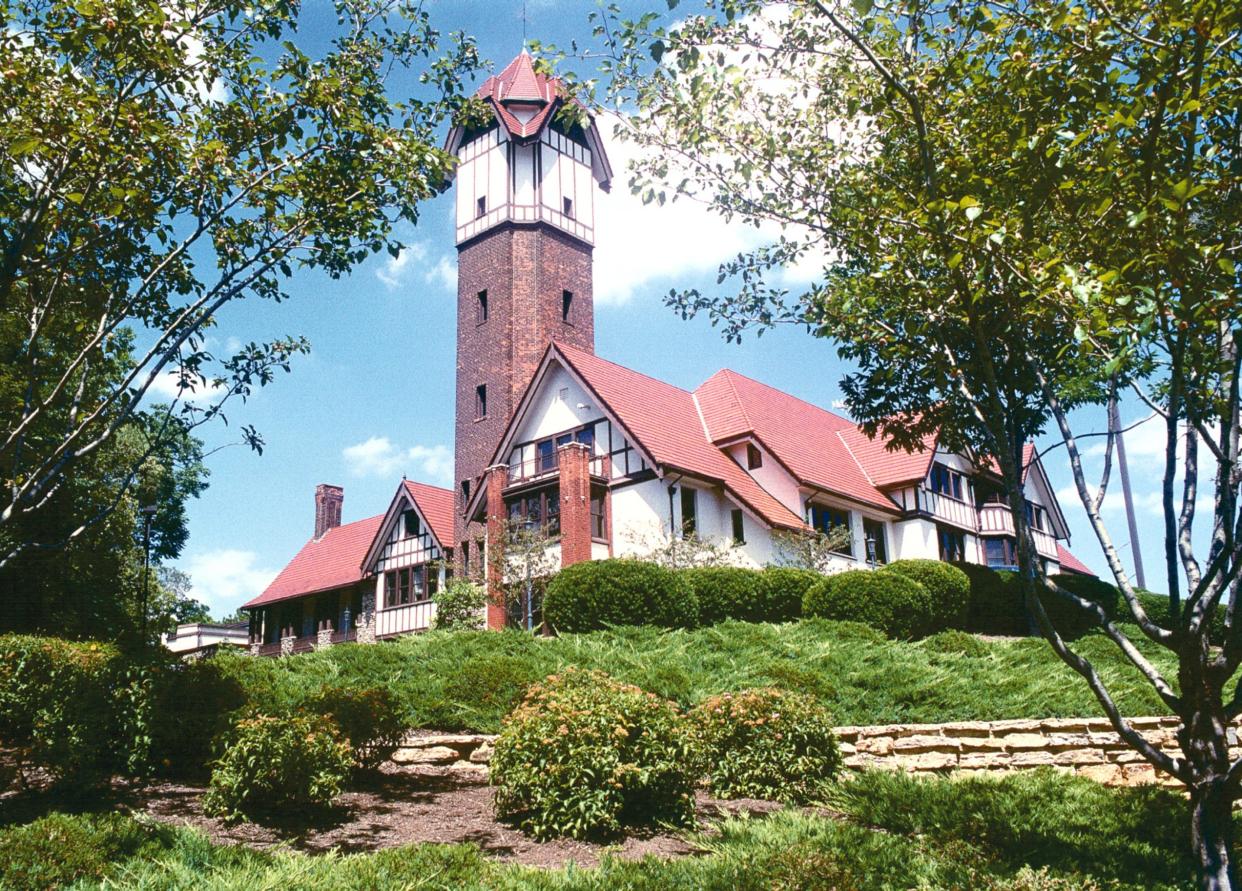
{"type": "Point", "coordinates": [328, 501]}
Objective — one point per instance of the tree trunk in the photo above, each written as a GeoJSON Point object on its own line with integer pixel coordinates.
{"type": "Point", "coordinates": [1211, 834]}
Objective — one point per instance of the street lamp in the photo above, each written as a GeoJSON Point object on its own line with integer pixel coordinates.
{"type": "Point", "coordinates": [871, 551]}
{"type": "Point", "coordinates": [148, 514]}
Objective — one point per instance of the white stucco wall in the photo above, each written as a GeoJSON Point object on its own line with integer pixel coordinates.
{"type": "Point", "coordinates": [771, 476]}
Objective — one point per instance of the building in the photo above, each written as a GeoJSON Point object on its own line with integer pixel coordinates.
{"type": "Point", "coordinates": [609, 461]}
{"type": "Point", "coordinates": [198, 639]}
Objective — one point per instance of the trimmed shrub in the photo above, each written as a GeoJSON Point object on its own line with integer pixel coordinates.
{"type": "Point", "coordinates": [596, 593]}
{"type": "Point", "coordinates": [584, 755]}
{"type": "Point", "coordinates": [274, 763]}
{"type": "Point", "coordinates": [1067, 618]}
{"type": "Point", "coordinates": [765, 743]}
{"type": "Point", "coordinates": [996, 605]}
{"type": "Point", "coordinates": [948, 590]}
{"type": "Point", "coordinates": [370, 718]}
{"type": "Point", "coordinates": [460, 606]}
{"type": "Point", "coordinates": [194, 703]}
{"type": "Point", "coordinates": [783, 588]}
{"type": "Point", "coordinates": [894, 604]}
{"type": "Point", "coordinates": [726, 592]}
{"type": "Point", "coordinates": [955, 643]}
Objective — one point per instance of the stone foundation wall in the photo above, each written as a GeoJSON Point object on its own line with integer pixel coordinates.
{"type": "Point", "coordinates": [1086, 746]}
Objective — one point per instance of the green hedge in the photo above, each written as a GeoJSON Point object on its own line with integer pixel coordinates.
{"type": "Point", "coordinates": [584, 755]}
{"type": "Point", "coordinates": [727, 592]}
{"type": "Point", "coordinates": [1070, 620]}
{"type": "Point", "coordinates": [599, 593]}
{"type": "Point", "coordinates": [783, 590]}
{"type": "Point", "coordinates": [996, 605]}
{"type": "Point", "coordinates": [892, 603]}
{"type": "Point", "coordinates": [948, 590]}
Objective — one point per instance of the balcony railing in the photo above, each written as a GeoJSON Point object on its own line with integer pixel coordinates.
{"type": "Point", "coordinates": [548, 466]}
{"type": "Point", "coordinates": [995, 519]}
{"type": "Point", "coordinates": [948, 509]}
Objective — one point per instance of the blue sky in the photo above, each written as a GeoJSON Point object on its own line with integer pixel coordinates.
{"type": "Point", "coordinates": [374, 399]}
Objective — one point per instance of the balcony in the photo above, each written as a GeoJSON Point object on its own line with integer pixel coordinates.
{"type": "Point", "coordinates": [995, 519]}
{"type": "Point", "coordinates": [947, 509]}
{"type": "Point", "coordinates": [547, 467]}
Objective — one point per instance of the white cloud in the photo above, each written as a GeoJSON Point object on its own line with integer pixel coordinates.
{"type": "Point", "coordinates": [394, 270]}
{"type": "Point", "coordinates": [226, 578]}
{"type": "Point", "coordinates": [378, 456]}
{"type": "Point", "coordinates": [443, 273]}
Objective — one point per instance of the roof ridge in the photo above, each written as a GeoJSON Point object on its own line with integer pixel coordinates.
{"type": "Point", "coordinates": [729, 374]}
{"type": "Point", "coordinates": [845, 445]}
{"type": "Point", "coordinates": [445, 490]}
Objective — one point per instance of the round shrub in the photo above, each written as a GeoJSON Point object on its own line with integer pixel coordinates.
{"type": "Point", "coordinates": [955, 643]}
{"type": "Point", "coordinates": [460, 606]}
{"type": "Point", "coordinates": [597, 593]}
{"type": "Point", "coordinates": [891, 603]}
{"type": "Point", "coordinates": [271, 764]}
{"type": "Point", "coordinates": [584, 755]}
{"type": "Point", "coordinates": [766, 743]}
{"type": "Point", "coordinates": [370, 718]}
{"type": "Point", "coordinates": [783, 589]}
{"type": "Point", "coordinates": [1069, 619]}
{"type": "Point", "coordinates": [948, 591]}
{"type": "Point", "coordinates": [726, 592]}
{"type": "Point", "coordinates": [996, 605]}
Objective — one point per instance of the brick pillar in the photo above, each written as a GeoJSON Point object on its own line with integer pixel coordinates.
{"type": "Point", "coordinates": [575, 460]}
{"type": "Point", "coordinates": [497, 475]}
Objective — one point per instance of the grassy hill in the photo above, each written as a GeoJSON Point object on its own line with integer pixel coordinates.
{"type": "Point", "coordinates": [469, 681]}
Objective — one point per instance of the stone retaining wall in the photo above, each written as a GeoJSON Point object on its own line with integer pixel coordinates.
{"type": "Point", "coordinates": [1086, 746]}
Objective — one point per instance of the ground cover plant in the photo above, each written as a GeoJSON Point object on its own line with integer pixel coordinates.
{"type": "Point", "coordinates": [1037, 831]}
{"type": "Point", "coordinates": [585, 755]}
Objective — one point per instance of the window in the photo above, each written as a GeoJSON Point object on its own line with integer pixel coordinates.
{"type": "Point", "coordinates": [538, 510]}
{"type": "Point", "coordinates": [480, 402]}
{"type": "Point", "coordinates": [946, 482]}
{"type": "Point", "coordinates": [465, 492]}
{"type": "Point", "coordinates": [754, 457]}
{"type": "Point", "coordinates": [465, 559]}
{"type": "Point", "coordinates": [1035, 516]}
{"type": "Point", "coordinates": [546, 450]}
{"type": "Point", "coordinates": [689, 511]}
{"type": "Point", "coordinates": [407, 585]}
{"type": "Point", "coordinates": [413, 526]}
{"type": "Point", "coordinates": [826, 519]}
{"type": "Point", "coordinates": [599, 523]}
{"type": "Point", "coordinates": [739, 527]}
{"type": "Point", "coordinates": [480, 206]}
{"type": "Point", "coordinates": [480, 308]}
{"type": "Point", "coordinates": [999, 553]}
{"type": "Point", "coordinates": [567, 303]}
{"type": "Point", "coordinates": [952, 544]}
{"type": "Point", "coordinates": [874, 540]}
{"type": "Point", "coordinates": [567, 204]}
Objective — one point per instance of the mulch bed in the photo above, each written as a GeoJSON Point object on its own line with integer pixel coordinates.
{"type": "Point", "coordinates": [402, 805]}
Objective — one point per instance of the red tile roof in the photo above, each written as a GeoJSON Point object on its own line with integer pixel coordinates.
{"type": "Point", "coordinates": [335, 560]}
{"type": "Point", "coordinates": [1070, 563]}
{"type": "Point", "coordinates": [666, 423]}
{"type": "Point", "coordinates": [520, 85]}
{"type": "Point", "coordinates": [887, 467]}
{"type": "Point", "coordinates": [815, 444]}
{"type": "Point", "coordinates": [331, 562]}
{"type": "Point", "coordinates": [436, 506]}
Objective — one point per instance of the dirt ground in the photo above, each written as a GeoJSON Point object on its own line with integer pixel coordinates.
{"type": "Point", "coordinates": [403, 805]}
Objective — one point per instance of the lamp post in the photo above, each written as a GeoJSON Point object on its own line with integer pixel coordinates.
{"type": "Point", "coordinates": [148, 514]}
{"type": "Point", "coordinates": [871, 551]}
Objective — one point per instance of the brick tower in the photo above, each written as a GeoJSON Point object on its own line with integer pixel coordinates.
{"type": "Point", "coordinates": [525, 188]}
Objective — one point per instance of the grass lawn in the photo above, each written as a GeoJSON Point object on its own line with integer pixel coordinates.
{"type": "Point", "coordinates": [1035, 832]}
{"type": "Point", "coordinates": [469, 681]}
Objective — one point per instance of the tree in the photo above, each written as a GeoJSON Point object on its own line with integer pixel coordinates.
{"type": "Point", "coordinates": [680, 550]}
{"type": "Point", "coordinates": [814, 550]}
{"type": "Point", "coordinates": [1021, 209]}
{"type": "Point", "coordinates": [523, 558]}
{"type": "Point", "coordinates": [162, 160]}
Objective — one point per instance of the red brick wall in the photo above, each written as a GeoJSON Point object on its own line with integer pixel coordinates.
{"type": "Point", "coordinates": [496, 479]}
{"type": "Point", "coordinates": [525, 270]}
{"type": "Point", "coordinates": [328, 500]}
{"type": "Point", "coordinates": [575, 504]}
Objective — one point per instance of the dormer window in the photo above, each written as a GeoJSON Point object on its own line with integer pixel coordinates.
{"type": "Point", "coordinates": [412, 525]}
{"type": "Point", "coordinates": [754, 457]}
{"type": "Point", "coordinates": [946, 482]}
{"type": "Point", "coordinates": [480, 206]}
{"type": "Point", "coordinates": [568, 207]}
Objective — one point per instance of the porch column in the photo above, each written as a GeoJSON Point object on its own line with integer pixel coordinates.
{"type": "Point", "coordinates": [494, 568]}
{"type": "Point", "coordinates": [575, 460]}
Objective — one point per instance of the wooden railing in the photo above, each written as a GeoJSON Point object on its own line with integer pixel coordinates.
{"type": "Point", "coordinates": [995, 519]}
{"type": "Point", "coordinates": [401, 619]}
{"type": "Point", "coordinates": [537, 468]}
{"type": "Point", "coordinates": [948, 509]}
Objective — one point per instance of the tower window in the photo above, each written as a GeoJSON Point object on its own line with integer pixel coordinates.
{"type": "Point", "coordinates": [480, 402]}
{"type": "Point", "coordinates": [480, 309]}
{"type": "Point", "coordinates": [465, 497]}
{"type": "Point", "coordinates": [567, 303]}
{"type": "Point", "coordinates": [568, 206]}
{"type": "Point", "coordinates": [480, 206]}
{"type": "Point", "coordinates": [754, 457]}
